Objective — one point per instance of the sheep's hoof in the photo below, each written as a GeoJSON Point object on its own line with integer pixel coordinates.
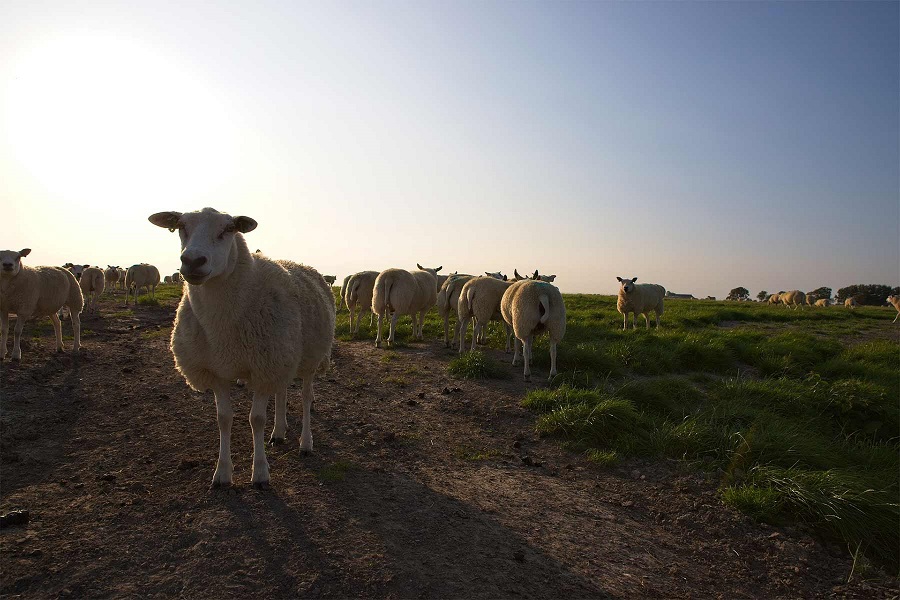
{"type": "Point", "coordinates": [218, 485]}
{"type": "Point", "coordinates": [527, 377]}
{"type": "Point", "coordinates": [261, 485]}
{"type": "Point", "coordinates": [277, 441]}
{"type": "Point", "coordinates": [16, 358]}
{"type": "Point", "coordinates": [60, 350]}
{"type": "Point", "coordinates": [305, 451]}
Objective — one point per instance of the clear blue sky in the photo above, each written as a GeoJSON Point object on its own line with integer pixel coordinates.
{"type": "Point", "coordinates": [697, 145]}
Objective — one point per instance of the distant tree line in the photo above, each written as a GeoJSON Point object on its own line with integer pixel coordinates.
{"type": "Point", "coordinates": [867, 294]}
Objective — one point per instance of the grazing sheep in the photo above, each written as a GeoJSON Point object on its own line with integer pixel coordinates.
{"type": "Point", "coordinates": [34, 292]}
{"type": "Point", "coordinates": [639, 298]}
{"type": "Point", "coordinates": [480, 299]}
{"type": "Point", "coordinates": [245, 316]}
{"type": "Point", "coordinates": [167, 279]}
{"type": "Point", "coordinates": [138, 276]}
{"type": "Point", "coordinates": [775, 299]}
{"type": "Point", "coordinates": [92, 283]}
{"type": "Point", "coordinates": [894, 301]}
{"type": "Point", "coordinates": [111, 275]}
{"type": "Point", "coordinates": [793, 299]}
{"type": "Point", "coordinates": [850, 302]}
{"type": "Point", "coordinates": [329, 279]}
{"type": "Point", "coordinates": [359, 296]}
{"type": "Point", "coordinates": [822, 302]}
{"type": "Point", "coordinates": [531, 308]}
{"type": "Point", "coordinates": [399, 292]}
{"type": "Point", "coordinates": [447, 300]}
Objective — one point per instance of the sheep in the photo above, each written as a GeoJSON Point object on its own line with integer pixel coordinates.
{"type": "Point", "coordinates": [531, 307]}
{"type": "Point", "coordinates": [639, 298]}
{"type": "Point", "coordinates": [538, 277]}
{"type": "Point", "coordinates": [793, 299]}
{"type": "Point", "coordinates": [850, 302]}
{"type": "Point", "coordinates": [245, 316]}
{"type": "Point", "coordinates": [775, 299]}
{"type": "Point", "coordinates": [122, 274]}
{"type": "Point", "coordinates": [480, 299]}
{"type": "Point", "coordinates": [329, 279]}
{"type": "Point", "coordinates": [32, 292]}
{"type": "Point", "coordinates": [810, 299]}
{"type": "Point", "coordinates": [447, 300]}
{"type": "Point", "coordinates": [76, 270]}
{"type": "Point", "coordinates": [894, 300]}
{"type": "Point", "coordinates": [359, 287]}
{"type": "Point", "coordinates": [138, 276]}
{"type": "Point", "coordinates": [111, 275]}
{"type": "Point", "coordinates": [343, 293]}
{"type": "Point", "coordinates": [822, 302]}
{"type": "Point", "coordinates": [92, 283]}
{"type": "Point", "coordinates": [517, 277]}
{"type": "Point", "coordinates": [167, 279]}
{"type": "Point", "coordinates": [176, 277]}
{"type": "Point", "coordinates": [399, 292]}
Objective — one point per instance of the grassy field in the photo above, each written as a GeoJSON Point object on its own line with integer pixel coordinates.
{"type": "Point", "coordinates": [795, 412]}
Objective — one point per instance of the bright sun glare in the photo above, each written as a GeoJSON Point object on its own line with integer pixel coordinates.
{"type": "Point", "coordinates": [102, 119]}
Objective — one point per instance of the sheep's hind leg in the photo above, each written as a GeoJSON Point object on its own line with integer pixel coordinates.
{"type": "Point", "coordinates": [260, 476]}
{"type": "Point", "coordinates": [553, 370]}
{"type": "Point", "coordinates": [4, 333]}
{"type": "Point", "coordinates": [378, 332]}
{"type": "Point", "coordinates": [224, 416]}
{"type": "Point", "coordinates": [57, 329]}
{"type": "Point", "coordinates": [76, 329]}
{"type": "Point", "coordinates": [516, 344]}
{"type": "Point", "coordinates": [306, 441]}
{"type": "Point", "coordinates": [279, 432]}
{"type": "Point", "coordinates": [527, 354]}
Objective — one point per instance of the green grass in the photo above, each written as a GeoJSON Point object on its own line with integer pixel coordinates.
{"type": "Point", "coordinates": [476, 365]}
{"type": "Point", "coordinates": [796, 410]}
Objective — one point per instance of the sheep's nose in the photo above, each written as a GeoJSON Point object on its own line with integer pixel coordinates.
{"type": "Point", "coordinates": [192, 264]}
{"type": "Point", "coordinates": [8, 266]}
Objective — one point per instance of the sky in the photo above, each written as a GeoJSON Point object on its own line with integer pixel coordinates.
{"type": "Point", "coordinates": [698, 145]}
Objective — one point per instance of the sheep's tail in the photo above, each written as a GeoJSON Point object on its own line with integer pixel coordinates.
{"type": "Point", "coordinates": [353, 292]}
{"type": "Point", "coordinates": [344, 289]}
{"type": "Point", "coordinates": [386, 284]}
{"type": "Point", "coordinates": [468, 301]}
{"type": "Point", "coordinates": [545, 307]}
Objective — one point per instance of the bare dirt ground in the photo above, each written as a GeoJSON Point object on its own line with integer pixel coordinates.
{"type": "Point", "coordinates": [421, 486]}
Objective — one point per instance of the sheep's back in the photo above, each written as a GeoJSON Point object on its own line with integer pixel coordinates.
{"type": "Point", "coordinates": [42, 291]}
{"type": "Point", "coordinates": [315, 302]}
{"type": "Point", "coordinates": [403, 289]}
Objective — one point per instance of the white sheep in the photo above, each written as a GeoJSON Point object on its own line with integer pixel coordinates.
{"type": "Point", "coordinates": [822, 302]}
{"type": "Point", "coordinates": [358, 296]}
{"type": "Point", "coordinates": [480, 299]}
{"type": "Point", "coordinates": [123, 274]}
{"type": "Point", "coordinates": [138, 276]}
{"type": "Point", "coordinates": [176, 277]}
{"type": "Point", "coordinates": [850, 302]}
{"type": "Point", "coordinates": [92, 283]}
{"type": "Point", "coordinates": [894, 300]}
{"type": "Point", "coordinates": [400, 292]}
{"type": "Point", "coordinates": [538, 277]}
{"type": "Point", "coordinates": [245, 316]}
{"type": "Point", "coordinates": [447, 300]}
{"type": "Point", "coordinates": [343, 293]}
{"type": "Point", "coordinates": [111, 275]}
{"type": "Point", "coordinates": [167, 279]}
{"type": "Point", "coordinates": [793, 299]}
{"type": "Point", "coordinates": [639, 298]}
{"type": "Point", "coordinates": [329, 279]}
{"type": "Point", "coordinates": [531, 308]}
{"type": "Point", "coordinates": [34, 292]}
{"type": "Point", "coordinates": [775, 299]}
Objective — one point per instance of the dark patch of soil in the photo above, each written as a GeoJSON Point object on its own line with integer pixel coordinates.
{"type": "Point", "coordinates": [411, 492]}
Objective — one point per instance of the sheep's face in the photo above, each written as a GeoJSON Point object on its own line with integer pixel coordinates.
{"type": "Point", "coordinates": [892, 299]}
{"type": "Point", "coordinates": [207, 240]}
{"type": "Point", "coordinates": [626, 285]}
{"type": "Point", "coordinates": [11, 261]}
{"type": "Point", "coordinates": [78, 270]}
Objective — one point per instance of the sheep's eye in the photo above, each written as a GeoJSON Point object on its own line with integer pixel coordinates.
{"type": "Point", "coordinates": [228, 229]}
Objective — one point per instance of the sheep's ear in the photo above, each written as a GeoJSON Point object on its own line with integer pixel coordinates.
{"type": "Point", "coordinates": [244, 224]}
{"type": "Point", "coordinates": [166, 220]}
{"type": "Point", "coordinates": [24, 252]}
{"type": "Point", "coordinates": [86, 266]}
{"type": "Point", "coordinates": [535, 276]}
{"type": "Point", "coordinates": [633, 279]}
{"type": "Point", "coordinates": [505, 278]}
{"type": "Point", "coordinates": [516, 273]}
{"type": "Point", "coordinates": [420, 267]}
{"type": "Point", "coordinates": [620, 279]}
{"type": "Point", "coordinates": [552, 277]}
{"type": "Point", "coordinates": [486, 273]}
{"type": "Point", "coordinates": [439, 268]}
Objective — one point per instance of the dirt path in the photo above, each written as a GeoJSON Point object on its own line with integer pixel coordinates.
{"type": "Point", "coordinates": [417, 488]}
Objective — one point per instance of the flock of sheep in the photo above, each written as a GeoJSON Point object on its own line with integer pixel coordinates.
{"type": "Point", "coordinates": [244, 316]}
{"type": "Point", "coordinates": [796, 299]}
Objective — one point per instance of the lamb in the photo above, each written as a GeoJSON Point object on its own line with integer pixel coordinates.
{"type": "Point", "coordinates": [894, 300]}
{"type": "Point", "coordinates": [329, 279]}
{"type": "Point", "coordinates": [138, 276]}
{"type": "Point", "coordinates": [793, 299]}
{"type": "Point", "coordinates": [111, 274]}
{"type": "Point", "coordinates": [850, 302]}
{"type": "Point", "coordinates": [639, 298]}
{"type": "Point", "coordinates": [822, 302]}
{"type": "Point", "coordinates": [33, 292]}
{"type": "Point", "coordinates": [245, 316]}
{"type": "Point", "coordinates": [399, 292]}
{"type": "Point", "coordinates": [92, 283]}
{"type": "Point", "coordinates": [530, 308]}
{"type": "Point", "coordinates": [359, 287]}
{"type": "Point", "coordinates": [480, 299]}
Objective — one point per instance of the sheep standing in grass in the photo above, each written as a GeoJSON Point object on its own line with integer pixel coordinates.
{"type": "Point", "coordinates": [775, 299]}
{"type": "Point", "coordinates": [480, 299]}
{"type": "Point", "coordinates": [329, 279]}
{"type": "Point", "coordinates": [894, 301]}
{"type": "Point", "coordinates": [138, 276]}
{"type": "Point", "coordinates": [167, 279]}
{"type": "Point", "coordinates": [447, 301]}
{"type": "Point", "coordinates": [358, 296]}
{"type": "Point", "coordinates": [822, 302]}
{"type": "Point", "coordinates": [176, 278]}
{"type": "Point", "coordinates": [639, 298]}
{"type": "Point", "coordinates": [793, 299]}
{"type": "Point", "coordinates": [850, 302]}
{"type": "Point", "coordinates": [245, 316]}
{"type": "Point", "coordinates": [92, 283]}
{"type": "Point", "coordinates": [111, 275]}
{"type": "Point", "coordinates": [531, 308]}
{"type": "Point", "coordinates": [399, 292]}
{"type": "Point", "coordinates": [34, 292]}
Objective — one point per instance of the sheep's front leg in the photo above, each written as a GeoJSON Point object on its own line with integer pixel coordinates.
{"type": "Point", "coordinates": [279, 432]}
{"type": "Point", "coordinates": [306, 441]}
{"type": "Point", "coordinates": [624, 321]}
{"type": "Point", "coordinates": [17, 337]}
{"type": "Point", "coordinates": [57, 329]}
{"type": "Point", "coordinates": [421, 335]}
{"type": "Point", "coordinates": [4, 332]}
{"type": "Point", "coordinates": [224, 415]}
{"type": "Point", "coordinates": [647, 320]}
{"type": "Point", "coordinates": [657, 320]}
{"type": "Point", "coordinates": [260, 474]}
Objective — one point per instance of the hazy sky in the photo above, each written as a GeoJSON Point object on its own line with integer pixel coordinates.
{"type": "Point", "coordinates": [701, 146]}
